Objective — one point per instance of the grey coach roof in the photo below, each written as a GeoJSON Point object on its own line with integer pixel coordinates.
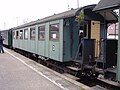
{"type": "Point", "coordinates": [107, 4]}
{"type": "Point", "coordinates": [66, 14]}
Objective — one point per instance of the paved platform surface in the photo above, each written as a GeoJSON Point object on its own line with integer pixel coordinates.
{"type": "Point", "coordinates": [20, 73]}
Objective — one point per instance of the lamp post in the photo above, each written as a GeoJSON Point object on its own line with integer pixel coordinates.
{"type": "Point", "coordinates": [78, 3]}
{"type": "Point", "coordinates": [4, 25]}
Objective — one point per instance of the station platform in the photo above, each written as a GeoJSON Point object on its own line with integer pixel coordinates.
{"type": "Point", "coordinates": [20, 73]}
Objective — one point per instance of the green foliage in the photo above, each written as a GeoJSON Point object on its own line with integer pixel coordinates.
{"type": "Point", "coordinates": [80, 17]}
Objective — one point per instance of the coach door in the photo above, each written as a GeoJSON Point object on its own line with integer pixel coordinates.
{"type": "Point", "coordinates": [54, 42]}
{"type": "Point", "coordinates": [95, 34]}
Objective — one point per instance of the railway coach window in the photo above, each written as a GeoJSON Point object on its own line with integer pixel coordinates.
{"type": "Point", "coordinates": [14, 34]}
{"type": "Point", "coordinates": [41, 32]}
{"type": "Point", "coordinates": [21, 34]}
{"type": "Point", "coordinates": [26, 34]}
{"type": "Point", "coordinates": [32, 33]}
{"type": "Point", "coordinates": [17, 34]}
{"type": "Point", "coordinates": [54, 32]}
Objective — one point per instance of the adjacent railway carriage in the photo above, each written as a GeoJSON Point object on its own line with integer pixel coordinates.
{"type": "Point", "coordinates": [7, 35]}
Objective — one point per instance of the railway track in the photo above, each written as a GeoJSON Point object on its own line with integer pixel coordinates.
{"type": "Point", "coordinates": [71, 69]}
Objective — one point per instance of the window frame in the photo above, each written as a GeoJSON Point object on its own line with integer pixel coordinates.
{"type": "Point", "coordinates": [17, 34]}
{"type": "Point", "coordinates": [41, 39]}
{"type": "Point", "coordinates": [14, 34]}
{"type": "Point", "coordinates": [26, 29]}
{"type": "Point", "coordinates": [31, 36]}
{"type": "Point", "coordinates": [21, 37]}
{"type": "Point", "coordinates": [52, 31]}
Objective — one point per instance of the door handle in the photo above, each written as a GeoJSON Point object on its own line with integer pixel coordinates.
{"type": "Point", "coordinates": [53, 47]}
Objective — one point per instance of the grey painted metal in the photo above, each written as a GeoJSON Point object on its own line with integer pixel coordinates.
{"type": "Point", "coordinates": [61, 40]}
{"type": "Point", "coordinates": [47, 40]}
{"type": "Point", "coordinates": [109, 15]}
{"type": "Point", "coordinates": [107, 4]}
{"type": "Point", "coordinates": [118, 54]}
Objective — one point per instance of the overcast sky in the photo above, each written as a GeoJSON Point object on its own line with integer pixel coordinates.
{"type": "Point", "coordinates": [17, 12]}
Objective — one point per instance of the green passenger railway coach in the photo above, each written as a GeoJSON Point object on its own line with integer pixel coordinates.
{"type": "Point", "coordinates": [77, 36]}
{"type": "Point", "coordinates": [55, 37]}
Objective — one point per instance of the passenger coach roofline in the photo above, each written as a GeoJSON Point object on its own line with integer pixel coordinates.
{"type": "Point", "coordinates": [62, 15]}
{"type": "Point", "coordinates": [85, 7]}
{"type": "Point", "coordinates": [104, 5]}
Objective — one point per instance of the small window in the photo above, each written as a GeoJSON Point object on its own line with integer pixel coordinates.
{"type": "Point", "coordinates": [21, 34]}
{"type": "Point", "coordinates": [17, 34]}
{"type": "Point", "coordinates": [41, 32]}
{"type": "Point", "coordinates": [54, 32]}
{"type": "Point", "coordinates": [13, 34]}
{"type": "Point", "coordinates": [32, 33]}
{"type": "Point", "coordinates": [26, 34]}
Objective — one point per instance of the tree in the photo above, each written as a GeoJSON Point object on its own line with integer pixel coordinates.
{"type": "Point", "coordinates": [80, 18]}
